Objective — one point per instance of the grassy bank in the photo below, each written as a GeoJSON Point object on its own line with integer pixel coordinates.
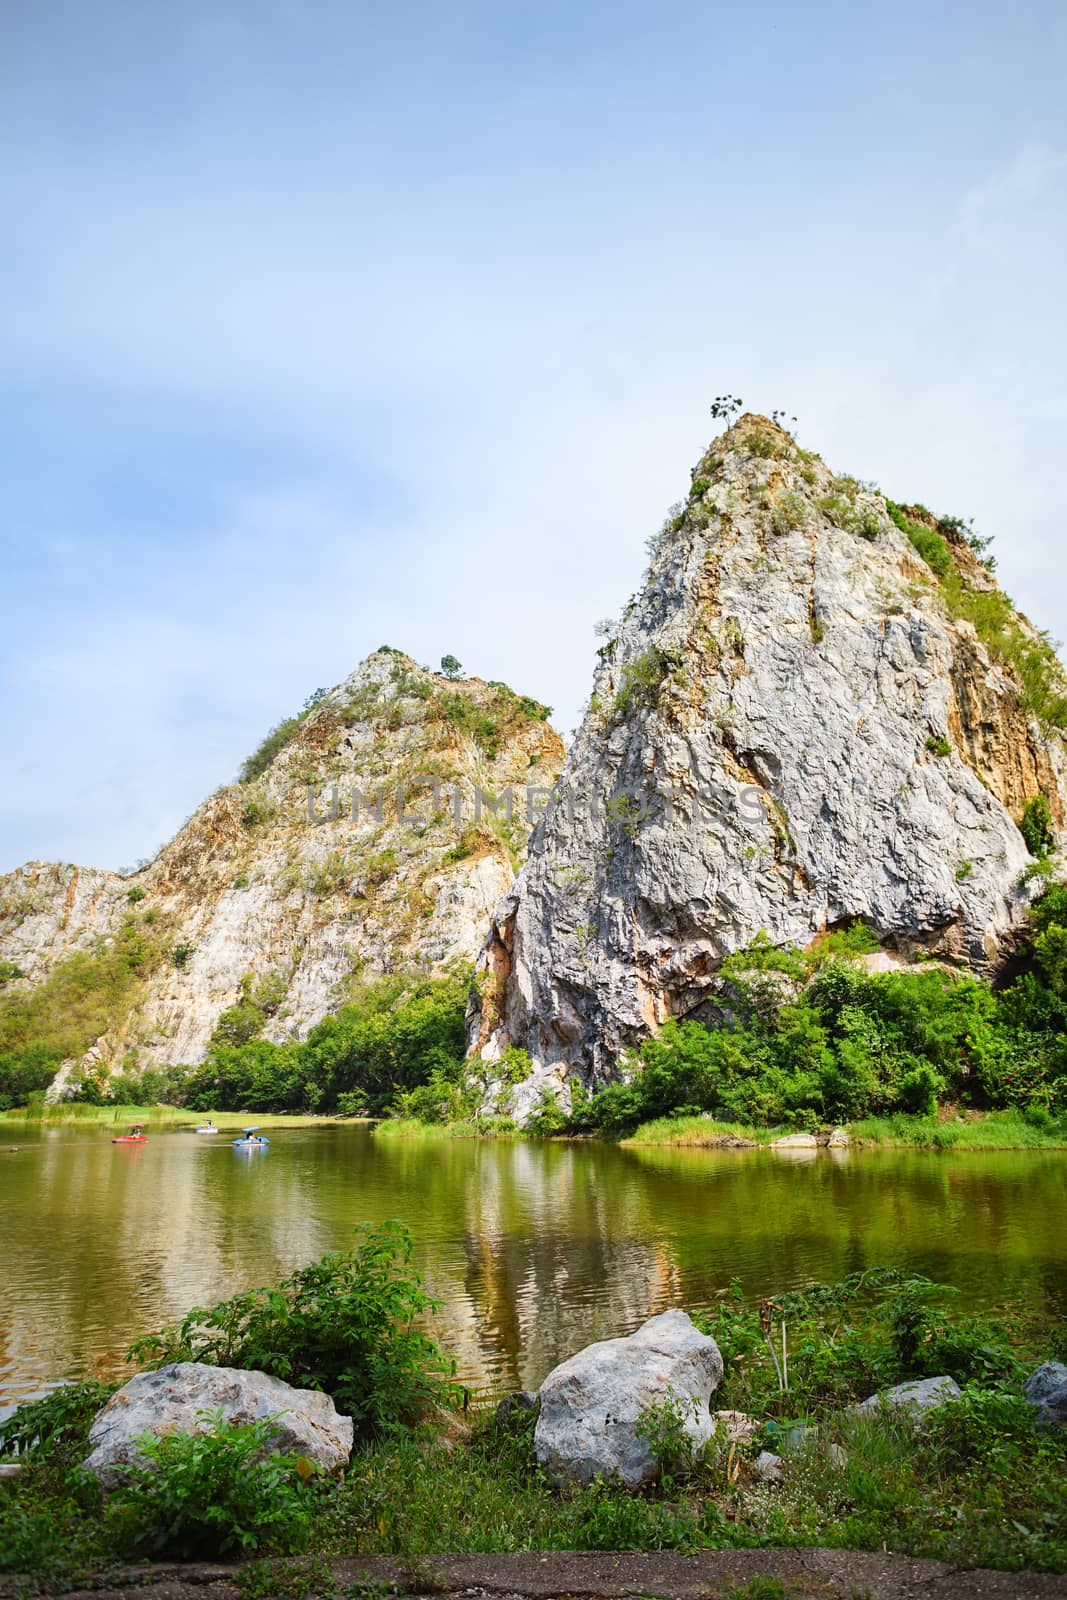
{"type": "Point", "coordinates": [993, 1130]}
{"type": "Point", "coordinates": [990, 1130]}
{"type": "Point", "coordinates": [701, 1131]}
{"type": "Point", "coordinates": [436, 1132]}
{"type": "Point", "coordinates": [979, 1484]}
{"type": "Point", "coordinates": [176, 1117]}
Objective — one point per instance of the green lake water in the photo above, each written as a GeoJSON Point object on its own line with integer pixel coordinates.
{"type": "Point", "coordinates": [532, 1249]}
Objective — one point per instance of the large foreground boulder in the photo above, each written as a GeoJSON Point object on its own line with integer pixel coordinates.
{"type": "Point", "coordinates": [587, 1424]}
{"type": "Point", "coordinates": [1046, 1391]}
{"type": "Point", "coordinates": [183, 1397]}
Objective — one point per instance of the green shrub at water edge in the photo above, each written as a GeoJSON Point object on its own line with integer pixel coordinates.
{"type": "Point", "coordinates": [979, 1486]}
{"type": "Point", "coordinates": [343, 1324]}
{"type": "Point", "coordinates": [804, 1044]}
{"type": "Point", "coordinates": [201, 1495]}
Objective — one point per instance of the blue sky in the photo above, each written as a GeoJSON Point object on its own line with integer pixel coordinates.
{"type": "Point", "coordinates": [325, 325]}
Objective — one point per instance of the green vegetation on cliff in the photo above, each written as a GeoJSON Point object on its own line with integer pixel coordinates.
{"type": "Point", "coordinates": [811, 1039]}
{"type": "Point", "coordinates": [82, 997]}
{"type": "Point", "coordinates": [1028, 654]}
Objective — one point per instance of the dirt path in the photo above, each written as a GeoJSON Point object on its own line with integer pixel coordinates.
{"type": "Point", "coordinates": [709, 1575]}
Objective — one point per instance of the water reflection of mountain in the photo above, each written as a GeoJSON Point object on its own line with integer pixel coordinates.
{"type": "Point", "coordinates": [532, 1249]}
{"type": "Point", "coordinates": [102, 1243]}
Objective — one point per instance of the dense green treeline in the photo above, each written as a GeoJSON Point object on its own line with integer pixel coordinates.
{"type": "Point", "coordinates": [393, 1037]}
{"type": "Point", "coordinates": [807, 1039]}
{"type": "Point", "coordinates": [815, 1039]}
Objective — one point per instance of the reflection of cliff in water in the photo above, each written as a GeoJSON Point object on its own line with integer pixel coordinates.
{"type": "Point", "coordinates": [986, 1222]}
{"type": "Point", "coordinates": [533, 1249]}
{"type": "Point", "coordinates": [575, 1272]}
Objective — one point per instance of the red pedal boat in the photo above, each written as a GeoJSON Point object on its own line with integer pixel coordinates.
{"type": "Point", "coordinates": [136, 1135]}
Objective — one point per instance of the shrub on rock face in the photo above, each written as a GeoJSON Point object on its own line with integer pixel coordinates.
{"type": "Point", "coordinates": [1037, 828]}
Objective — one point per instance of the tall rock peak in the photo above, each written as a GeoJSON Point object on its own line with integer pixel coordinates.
{"type": "Point", "coordinates": [819, 708]}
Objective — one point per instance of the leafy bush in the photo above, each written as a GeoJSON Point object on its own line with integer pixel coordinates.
{"type": "Point", "coordinates": [790, 511]}
{"type": "Point", "coordinates": [344, 1324]}
{"type": "Point", "coordinates": [256, 811]}
{"type": "Point", "coordinates": [764, 444]}
{"type": "Point", "coordinates": [249, 1015]}
{"type": "Point", "coordinates": [1036, 827]}
{"type": "Point", "coordinates": [642, 679]}
{"type": "Point", "coordinates": [924, 1341]}
{"type": "Point", "coordinates": [938, 745]}
{"type": "Point", "coordinates": [61, 1418]}
{"type": "Point", "coordinates": [395, 1036]}
{"type": "Point", "coordinates": [201, 1495]}
{"type": "Point", "coordinates": [812, 1039]}
{"type": "Point", "coordinates": [464, 713]}
{"type": "Point", "coordinates": [392, 1037]}
{"type": "Point", "coordinates": [663, 1427]}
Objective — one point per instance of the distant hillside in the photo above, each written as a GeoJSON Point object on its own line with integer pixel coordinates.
{"type": "Point", "coordinates": [259, 905]}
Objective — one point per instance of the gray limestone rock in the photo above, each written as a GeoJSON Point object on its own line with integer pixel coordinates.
{"type": "Point", "coordinates": [763, 753]}
{"type": "Point", "coordinates": [182, 1395]}
{"type": "Point", "coordinates": [922, 1394]}
{"type": "Point", "coordinates": [1046, 1391]}
{"type": "Point", "coordinates": [590, 1404]}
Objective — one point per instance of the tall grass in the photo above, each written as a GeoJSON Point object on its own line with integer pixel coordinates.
{"type": "Point", "coordinates": [700, 1131]}
{"type": "Point", "coordinates": [995, 1130]}
{"type": "Point", "coordinates": [435, 1132]}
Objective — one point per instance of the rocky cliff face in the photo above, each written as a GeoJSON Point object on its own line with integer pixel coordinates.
{"type": "Point", "coordinates": [819, 708]}
{"type": "Point", "coordinates": [259, 895]}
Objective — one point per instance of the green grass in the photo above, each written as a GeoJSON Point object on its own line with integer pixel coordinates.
{"type": "Point", "coordinates": [435, 1132]}
{"type": "Point", "coordinates": [80, 1114]}
{"type": "Point", "coordinates": [978, 1487]}
{"type": "Point", "coordinates": [993, 1130]}
{"type": "Point", "coordinates": [699, 1131]}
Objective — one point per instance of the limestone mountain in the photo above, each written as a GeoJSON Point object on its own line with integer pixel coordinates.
{"type": "Point", "coordinates": [820, 708]}
{"type": "Point", "coordinates": [271, 904]}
